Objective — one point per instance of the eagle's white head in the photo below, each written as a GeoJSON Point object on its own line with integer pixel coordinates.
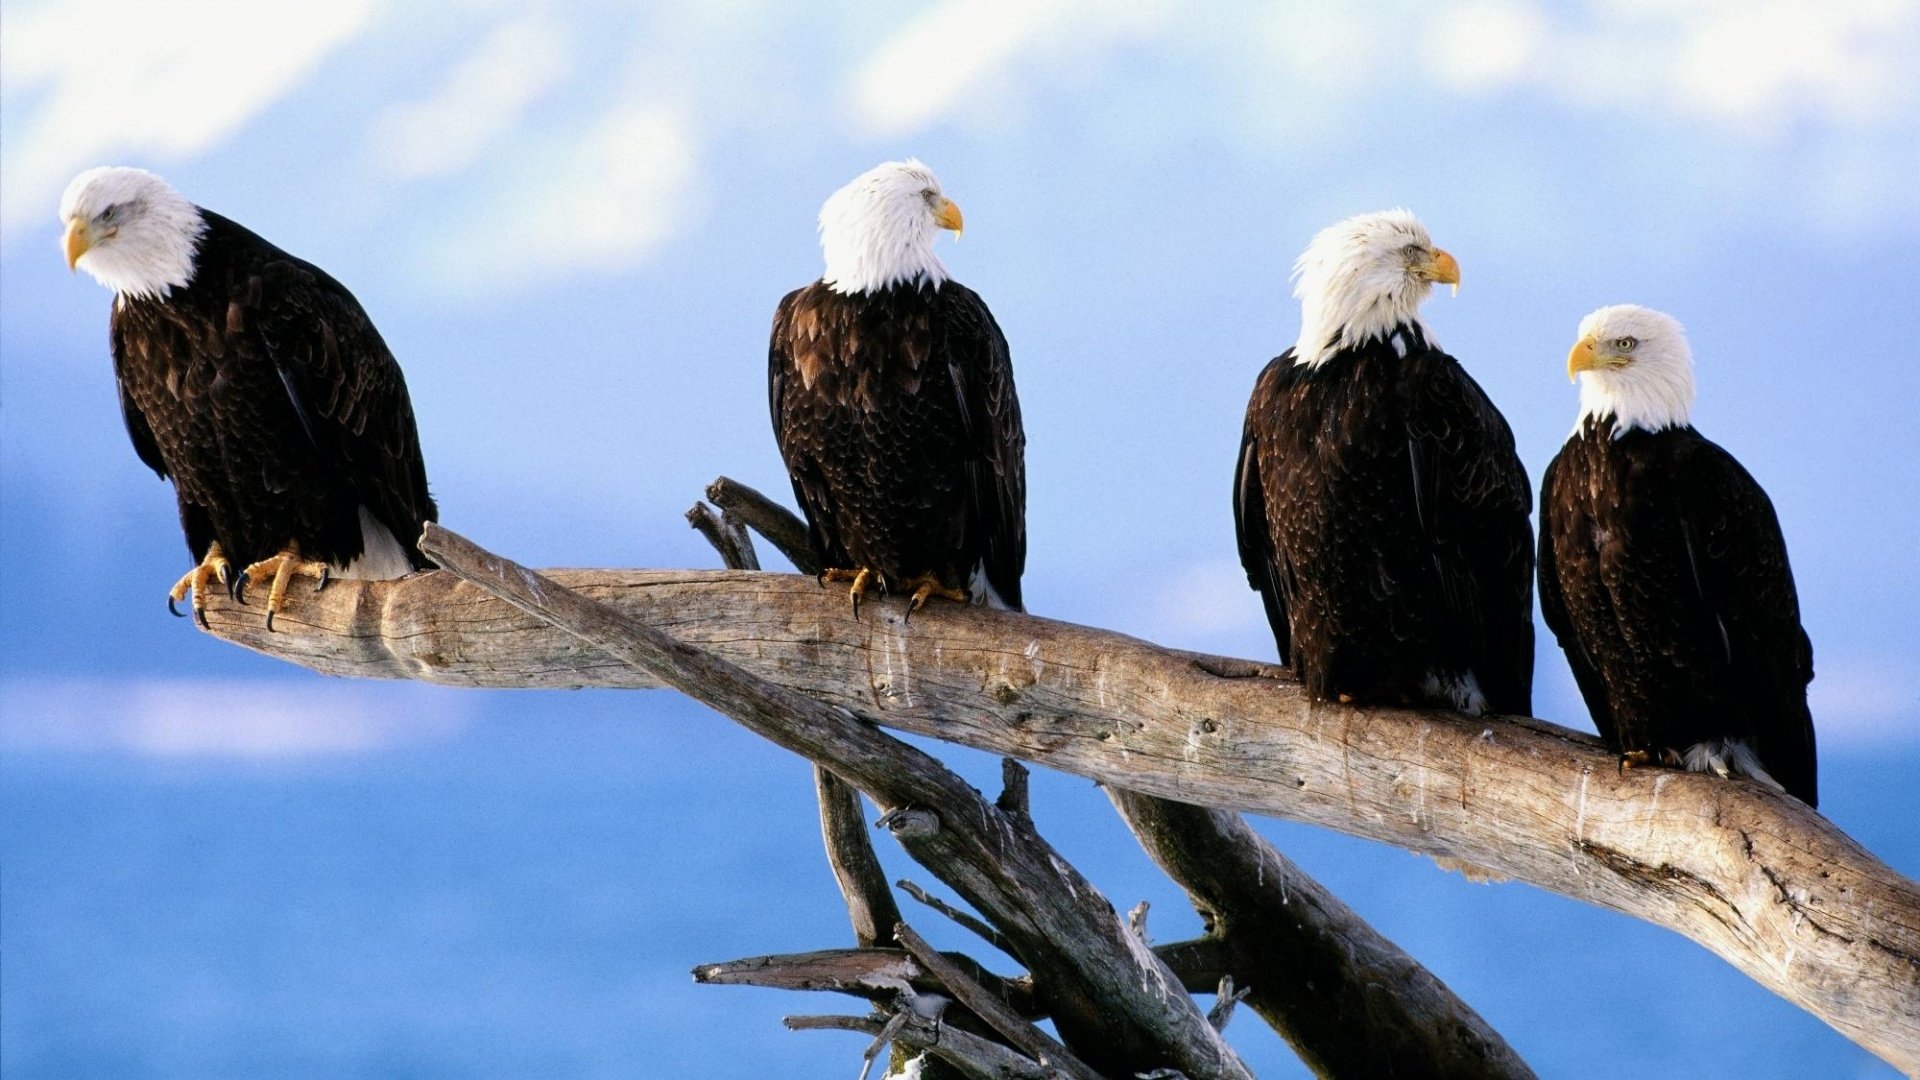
{"type": "Point", "coordinates": [1633, 365]}
{"type": "Point", "coordinates": [878, 231]}
{"type": "Point", "coordinates": [1362, 277]}
{"type": "Point", "coordinates": [131, 231]}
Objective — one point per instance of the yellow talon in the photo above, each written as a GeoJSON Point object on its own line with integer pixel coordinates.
{"type": "Point", "coordinates": [215, 564]}
{"type": "Point", "coordinates": [860, 578]}
{"type": "Point", "coordinates": [281, 568]}
{"type": "Point", "coordinates": [927, 585]}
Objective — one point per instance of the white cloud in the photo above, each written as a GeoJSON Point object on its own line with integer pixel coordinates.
{"type": "Point", "coordinates": [91, 81]}
{"type": "Point", "coordinates": [602, 197]}
{"type": "Point", "coordinates": [1745, 68]}
{"type": "Point", "coordinates": [964, 50]}
{"type": "Point", "coordinates": [482, 98]}
{"type": "Point", "coordinates": [1491, 43]}
{"type": "Point", "coordinates": [255, 720]}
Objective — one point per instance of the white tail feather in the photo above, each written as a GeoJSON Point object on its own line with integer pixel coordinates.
{"type": "Point", "coordinates": [382, 556]}
{"type": "Point", "coordinates": [1728, 757]}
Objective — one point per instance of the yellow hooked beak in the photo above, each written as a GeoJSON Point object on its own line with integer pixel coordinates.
{"type": "Point", "coordinates": [1444, 269]}
{"type": "Point", "coordinates": [948, 217]}
{"type": "Point", "coordinates": [1584, 357]}
{"type": "Point", "coordinates": [79, 241]}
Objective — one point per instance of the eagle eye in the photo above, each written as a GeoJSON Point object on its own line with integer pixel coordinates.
{"type": "Point", "coordinates": [111, 212]}
{"type": "Point", "coordinates": [1626, 344]}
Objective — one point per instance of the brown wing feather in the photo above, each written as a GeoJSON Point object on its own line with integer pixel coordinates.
{"type": "Point", "coordinates": [347, 390]}
{"type": "Point", "coordinates": [981, 366]}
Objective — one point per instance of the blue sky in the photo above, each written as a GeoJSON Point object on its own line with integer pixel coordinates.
{"type": "Point", "coordinates": [572, 223]}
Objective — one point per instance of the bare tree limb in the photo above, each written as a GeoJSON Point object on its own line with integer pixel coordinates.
{"type": "Point", "coordinates": [1349, 1001]}
{"type": "Point", "coordinates": [863, 884]}
{"type": "Point", "coordinates": [1113, 1001]}
{"type": "Point", "coordinates": [873, 974]}
{"type": "Point", "coordinates": [1013, 788]}
{"type": "Point", "coordinates": [1010, 1025]}
{"type": "Point", "coordinates": [843, 827]}
{"type": "Point", "coordinates": [1756, 877]}
{"type": "Point", "coordinates": [727, 535]}
{"type": "Point", "coordinates": [870, 973]}
{"type": "Point", "coordinates": [1225, 998]}
{"type": "Point", "coordinates": [980, 929]}
{"type": "Point", "coordinates": [1385, 1014]}
{"type": "Point", "coordinates": [973, 1056]}
{"type": "Point", "coordinates": [768, 518]}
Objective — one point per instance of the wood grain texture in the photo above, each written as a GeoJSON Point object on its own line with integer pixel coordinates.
{"type": "Point", "coordinates": [1756, 877]}
{"type": "Point", "coordinates": [1111, 999]}
{"type": "Point", "coordinates": [1349, 1001]}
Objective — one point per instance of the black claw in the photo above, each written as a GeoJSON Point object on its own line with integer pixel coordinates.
{"type": "Point", "coordinates": [239, 588]}
{"type": "Point", "coordinates": [201, 614]}
{"type": "Point", "coordinates": [269, 621]}
{"type": "Point", "coordinates": [326, 575]}
{"type": "Point", "coordinates": [225, 573]}
{"type": "Point", "coordinates": [177, 613]}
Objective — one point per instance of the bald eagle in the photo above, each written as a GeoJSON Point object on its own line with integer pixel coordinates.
{"type": "Point", "coordinates": [1663, 572]}
{"type": "Point", "coordinates": [893, 404]}
{"type": "Point", "coordinates": [255, 383]}
{"type": "Point", "coordinates": [1380, 507]}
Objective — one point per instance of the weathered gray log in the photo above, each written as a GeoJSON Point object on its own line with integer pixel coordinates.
{"type": "Point", "coordinates": [856, 870]}
{"type": "Point", "coordinates": [1002, 1018]}
{"type": "Point", "coordinates": [873, 973]}
{"type": "Point", "coordinates": [768, 518]}
{"type": "Point", "coordinates": [1113, 1002]}
{"type": "Point", "coordinates": [862, 881]}
{"type": "Point", "coordinates": [1361, 1028]}
{"type": "Point", "coordinates": [973, 1056]}
{"type": "Point", "coordinates": [1349, 1002]}
{"type": "Point", "coordinates": [1755, 876]}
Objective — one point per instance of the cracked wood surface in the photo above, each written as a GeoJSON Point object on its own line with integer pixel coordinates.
{"type": "Point", "coordinates": [1111, 999]}
{"type": "Point", "coordinates": [1756, 877]}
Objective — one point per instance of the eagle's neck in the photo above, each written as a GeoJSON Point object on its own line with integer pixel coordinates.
{"type": "Point", "coordinates": [1654, 398]}
{"type": "Point", "coordinates": [1336, 321]}
{"type": "Point", "coordinates": [150, 257]}
{"type": "Point", "coordinates": [1403, 338]}
{"type": "Point", "coordinates": [870, 251]}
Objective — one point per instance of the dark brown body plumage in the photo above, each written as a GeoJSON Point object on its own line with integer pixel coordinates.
{"type": "Point", "coordinates": [264, 392]}
{"type": "Point", "coordinates": [1664, 576]}
{"type": "Point", "coordinates": [896, 415]}
{"type": "Point", "coordinates": [1382, 515]}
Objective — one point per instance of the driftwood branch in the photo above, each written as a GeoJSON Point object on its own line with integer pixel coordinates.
{"type": "Point", "coordinates": [980, 929]}
{"type": "Point", "coordinates": [1349, 1001]}
{"type": "Point", "coordinates": [843, 827]}
{"type": "Point", "coordinates": [973, 1056]}
{"type": "Point", "coordinates": [863, 884]}
{"type": "Point", "coordinates": [1113, 1002]}
{"type": "Point", "coordinates": [1008, 1023]}
{"type": "Point", "coordinates": [1386, 1015]}
{"type": "Point", "coordinates": [874, 973]}
{"type": "Point", "coordinates": [768, 518]}
{"type": "Point", "coordinates": [1756, 877]}
{"type": "Point", "coordinates": [727, 535]}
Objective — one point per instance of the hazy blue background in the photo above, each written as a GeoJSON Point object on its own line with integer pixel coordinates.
{"type": "Point", "coordinates": [572, 223]}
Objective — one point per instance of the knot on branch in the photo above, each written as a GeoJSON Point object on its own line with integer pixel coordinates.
{"type": "Point", "coordinates": [909, 823]}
